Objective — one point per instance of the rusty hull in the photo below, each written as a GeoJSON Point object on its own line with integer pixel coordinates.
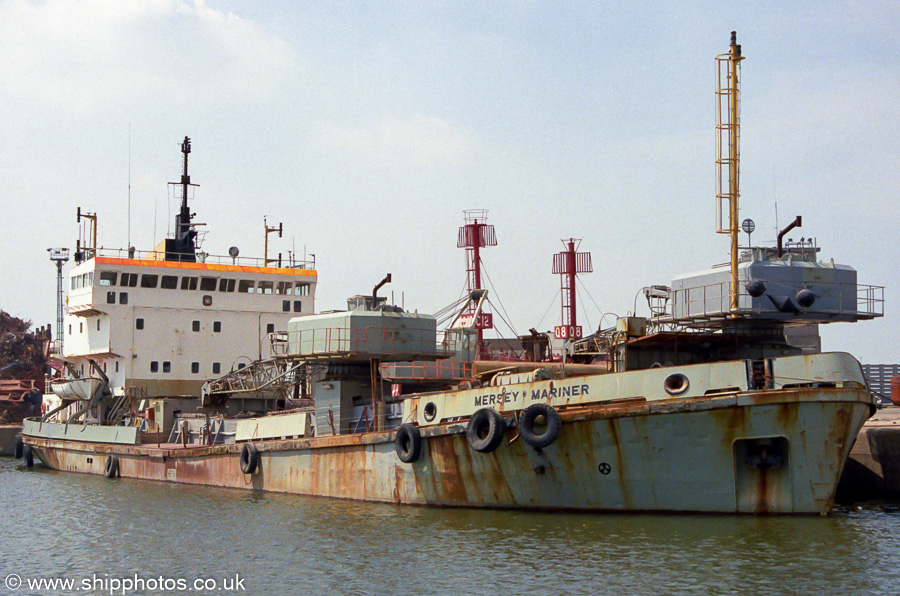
{"type": "Point", "coordinates": [687, 455]}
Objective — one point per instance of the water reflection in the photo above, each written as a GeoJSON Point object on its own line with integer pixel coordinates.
{"type": "Point", "coordinates": [61, 524]}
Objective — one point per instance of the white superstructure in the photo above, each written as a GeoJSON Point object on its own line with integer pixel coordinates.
{"type": "Point", "coordinates": [165, 327]}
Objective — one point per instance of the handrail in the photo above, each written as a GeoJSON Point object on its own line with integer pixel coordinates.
{"type": "Point", "coordinates": [202, 257]}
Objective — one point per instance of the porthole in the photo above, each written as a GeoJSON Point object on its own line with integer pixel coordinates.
{"type": "Point", "coordinates": [430, 411]}
{"type": "Point", "coordinates": [676, 384]}
{"type": "Point", "coordinates": [207, 300]}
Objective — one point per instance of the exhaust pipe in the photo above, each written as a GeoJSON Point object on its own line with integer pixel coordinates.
{"type": "Point", "coordinates": [795, 224]}
{"type": "Point", "coordinates": [386, 280]}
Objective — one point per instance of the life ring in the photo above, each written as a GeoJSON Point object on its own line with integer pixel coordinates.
{"type": "Point", "coordinates": [19, 445]}
{"type": "Point", "coordinates": [28, 454]}
{"type": "Point", "coordinates": [249, 458]}
{"type": "Point", "coordinates": [112, 467]}
{"type": "Point", "coordinates": [485, 430]}
{"type": "Point", "coordinates": [546, 436]}
{"type": "Point", "coordinates": [408, 443]}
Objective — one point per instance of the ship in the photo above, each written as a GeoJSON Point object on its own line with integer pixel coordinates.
{"type": "Point", "coordinates": [704, 406]}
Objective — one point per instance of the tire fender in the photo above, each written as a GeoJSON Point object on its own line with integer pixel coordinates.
{"type": "Point", "coordinates": [249, 458]}
{"type": "Point", "coordinates": [408, 443]}
{"type": "Point", "coordinates": [548, 435]}
{"type": "Point", "coordinates": [28, 455]}
{"type": "Point", "coordinates": [485, 430]}
{"type": "Point", "coordinates": [112, 467]}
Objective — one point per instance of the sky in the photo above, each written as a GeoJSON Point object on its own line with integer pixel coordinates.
{"type": "Point", "coordinates": [368, 128]}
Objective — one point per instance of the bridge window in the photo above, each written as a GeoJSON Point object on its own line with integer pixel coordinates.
{"type": "Point", "coordinates": [265, 287]}
{"type": "Point", "coordinates": [284, 287]}
{"type": "Point", "coordinates": [108, 278]}
{"type": "Point", "coordinates": [301, 289]}
{"type": "Point", "coordinates": [149, 281]}
{"type": "Point", "coordinates": [188, 283]}
{"type": "Point", "coordinates": [246, 286]}
{"type": "Point", "coordinates": [129, 280]}
{"type": "Point", "coordinates": [226, 285]}
{"type": "Point", "coordinates": [169, 282]}
{"type": "Point", "coordinates": [208, 284]}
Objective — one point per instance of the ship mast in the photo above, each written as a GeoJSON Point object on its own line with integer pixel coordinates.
{"type": "Point", "coordinates": [182, 248]}
{"type": "Point", "coordinates": [474, 236]}
{"type": "Point", "coordinates": [567, 265]}
{"type": "Point", "coordinates": [728, 154]}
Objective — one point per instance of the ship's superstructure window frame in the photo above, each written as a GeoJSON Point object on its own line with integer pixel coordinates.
{"type": "Point", "coordinates": [167, 366]}
{"type": "Point", "coordinates": [245, 286]}
{"type": "Point", "coordinates": [129, 280]}
{"type": "Point", "coordinates": [298, 305]}
{"type": "Point", "coordinates": [195, 326]}
{"type": "Point", "coordinates": [270, 328]}
{"type": "Point", "coordinates": [286, 305]}
{"type": "Point", "coordinates": [284, 288]}
{"type": "Point", "coordinates": [195, 367]}
{"type": "Point", "coordinates": [217, 368]}
{"type": "Point", "coordinates": [217, 326]}
{"type": "Point", "coordinates": [139, 323]}
{"type": "Point", "coordinates": [266, 287]}
{"type": "Point", "coordinates": [208, 284]}
{"type": "Point", "coordinates": [108, 278]}
{"type": "Point", "coordinates": [188, 282]}
{"type": "Point", "coordinates": [123, 297]}
{"type": "Point", "coordinates": [169, 282]}
{"type": "Point", "coordinates": [111, 297]}
{"type": "Point", "coordinates": [301, 289]}
{"type": "Point", "coordinates": [226, 285]}
{"type": "Point", "coordinates": [149, 280]}
{"type": "Point", "coordinates": [154, 366]}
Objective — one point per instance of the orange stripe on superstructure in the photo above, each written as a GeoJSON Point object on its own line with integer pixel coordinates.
{"type": "Point", "coordinates": [203, 266]}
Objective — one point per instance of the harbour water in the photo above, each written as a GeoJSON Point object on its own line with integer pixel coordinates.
{"type": "Point", "coordinates": [104, 533]}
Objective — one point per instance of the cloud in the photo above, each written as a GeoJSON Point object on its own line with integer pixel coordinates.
{"type": "Point", "coordinates": [92, 53]}
{"type": "Point", "coordinates": [415, 140]}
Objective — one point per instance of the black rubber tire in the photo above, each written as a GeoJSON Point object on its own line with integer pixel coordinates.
{"type": "Point", "coordinates": [549, 434]}
{"type": "Point", "coordinates": [28, 455]}
{"type": "Point", "coordinates": [112, 467]}
{"type": "Point", "coordinates": [19, 445]}
{"type": "Point", "coordinates": [249, 458]}
{"type": "Point", "coordinates": [485, 430]}
{"type": "Point", "coordinates": [408, 443]}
